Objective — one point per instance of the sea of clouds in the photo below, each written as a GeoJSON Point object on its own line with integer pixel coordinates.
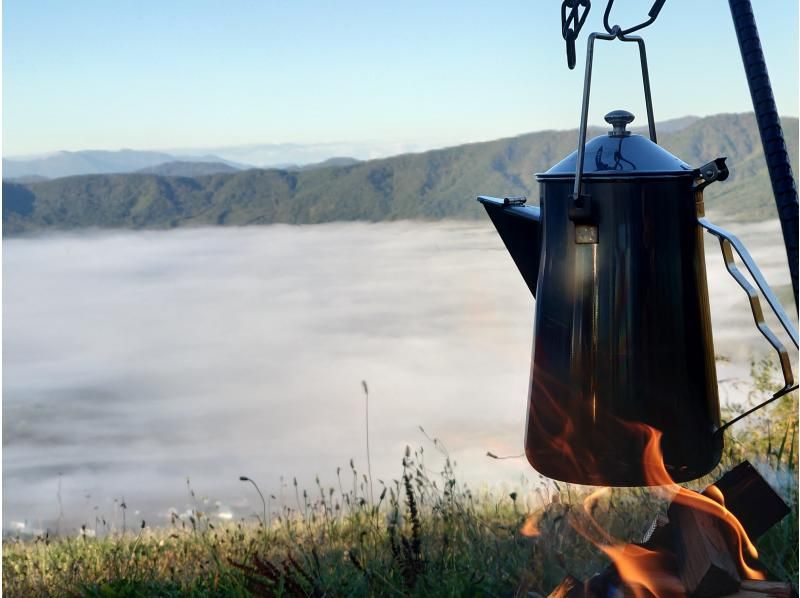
{"type": "Point", "coordinates": [135, 360]}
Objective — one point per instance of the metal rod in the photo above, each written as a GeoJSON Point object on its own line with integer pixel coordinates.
{"type": "Point", "coordinates": [769, 127]}
{"type": "Point", "coordinates": [587, 84]}
{"type": "Point", "coordinates": [781, 393]}
{"type": "Point", "coordinates": [648, 98]}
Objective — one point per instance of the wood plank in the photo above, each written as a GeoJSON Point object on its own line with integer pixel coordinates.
{"type": "Point", "coordinates": [764, 589]}
{"type": "Point", "coordinates": [705, 565]}
{"type": "Point", "coordinates": [751, 500]}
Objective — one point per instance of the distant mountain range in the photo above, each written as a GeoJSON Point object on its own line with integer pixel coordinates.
{"type": "Point", "coordinates": [61, 164]}
{"type": "Point", "coordinates": [282, 156]}
{"type": "Point", "coordinates": [286, 156]}
{"type": "Point", "coordinates": [432, 185]}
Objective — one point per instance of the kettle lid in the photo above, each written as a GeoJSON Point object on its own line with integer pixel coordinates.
{"type": "Point", "coordinates": [620, 153]}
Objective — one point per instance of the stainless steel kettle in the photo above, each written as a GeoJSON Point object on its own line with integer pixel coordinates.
{"type": "Point", "coordinates": [614, 256]}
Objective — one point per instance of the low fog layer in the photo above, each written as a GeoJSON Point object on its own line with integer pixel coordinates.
{"type": "Point", "coordinates": [132, 361]}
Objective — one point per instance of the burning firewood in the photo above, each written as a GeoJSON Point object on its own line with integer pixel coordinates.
{"type": "Point", "coordinates": [698, 549]}
{"type": "Point", "coordinates": [751, 500]}
{"type": "Point", "coordinates": [705, 565]}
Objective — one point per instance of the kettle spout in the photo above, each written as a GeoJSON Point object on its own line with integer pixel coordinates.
{"type": "Point", "coordinates": [519, 226]}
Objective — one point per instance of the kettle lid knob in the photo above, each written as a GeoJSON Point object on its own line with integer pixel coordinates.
{"type": "Point", "coordinates": [618, 119]}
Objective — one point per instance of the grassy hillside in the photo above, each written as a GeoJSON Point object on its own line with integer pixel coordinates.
{"type": "Point", "coordinates": [423, 533]}
{"type": "Point", "coordinates": [432, 185]}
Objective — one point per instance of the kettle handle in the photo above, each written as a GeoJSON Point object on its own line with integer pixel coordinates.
{"type": "Point", "coordinates": [730, 243]}
{"type": "Point", "coordinates": [581, 206]}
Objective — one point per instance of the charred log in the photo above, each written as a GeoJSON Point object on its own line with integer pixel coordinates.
{"type": "Point", "coordinates": [751, 500]}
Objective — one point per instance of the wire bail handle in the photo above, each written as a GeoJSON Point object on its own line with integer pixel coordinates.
{"type": "Point", "coordinates": [572, 23]}
{"type": "Point", "coordinates": [581, 208]}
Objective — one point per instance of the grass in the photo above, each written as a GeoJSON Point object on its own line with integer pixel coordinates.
{"type": "Point", "coordinates": [425, 534]}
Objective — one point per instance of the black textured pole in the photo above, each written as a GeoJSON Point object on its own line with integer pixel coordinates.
{"type": "Point", "coordinates": [769, 126]}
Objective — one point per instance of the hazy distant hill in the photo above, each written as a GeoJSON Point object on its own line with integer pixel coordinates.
{"type": "Point", "coordinates": [432, 185]}
{"type": "Point", "coordinates": [190, 169]}
{"type": "Point", "coordinates": [336, 161]}
{"type": "Point", "coordinates": [668, 126]}
{"type": "Point", "coordinates": [61, 164]}
{"type": "Point", "coordinates": [28, 178]}
{"type": "Point", "coordinates": [285, 155]}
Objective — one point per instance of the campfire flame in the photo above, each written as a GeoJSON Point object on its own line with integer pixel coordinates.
{"type": "Point", "coordinates": [714, 504]}
{"type": "Point", "coordinates": [530, 528]}
{"type": "Point", "coordinates": [647, 571]}
{"type": "Point", "coordinates": [642, 569]}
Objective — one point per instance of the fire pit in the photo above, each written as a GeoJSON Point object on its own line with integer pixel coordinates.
{"type": "Point", "coordinates": [702, 547]}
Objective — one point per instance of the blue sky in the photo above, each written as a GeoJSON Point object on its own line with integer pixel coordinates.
{"type": "Point", "coordinates": [145, 74]}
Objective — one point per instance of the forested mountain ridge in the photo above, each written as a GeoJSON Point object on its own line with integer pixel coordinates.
{"type": "Point", "coordinates": [190, 169]}
{"type": "Point", "coordinates": [433, 185]}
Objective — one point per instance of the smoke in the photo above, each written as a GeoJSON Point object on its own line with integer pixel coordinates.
{"type": "Point", "coordinates": [134, 360]}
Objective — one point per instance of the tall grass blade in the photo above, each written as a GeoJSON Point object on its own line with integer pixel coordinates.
{"type": "Point", "coordinates": [779, 454]}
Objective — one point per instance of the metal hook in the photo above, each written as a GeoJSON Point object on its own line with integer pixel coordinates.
{"type": "Point", "coordinates": [620, 33]}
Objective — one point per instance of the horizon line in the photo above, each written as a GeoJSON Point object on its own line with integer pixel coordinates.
{"type": "Point", "coordinates": [432, 146]}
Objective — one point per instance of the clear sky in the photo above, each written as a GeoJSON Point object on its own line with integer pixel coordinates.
{"type": "Point", "coordinates": [149, 74]}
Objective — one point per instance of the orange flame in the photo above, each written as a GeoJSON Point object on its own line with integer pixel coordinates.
{"type": "Point", "coordinates": [656, 474]}
{"type": "Point", "coordinates": [558, 429]}
{"type": "Point", "coordinates": [530, 527]}
{"type": "Point", "coordinates": [646, 571]}
{"type": "Point", "coordinates": [715, 494]}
